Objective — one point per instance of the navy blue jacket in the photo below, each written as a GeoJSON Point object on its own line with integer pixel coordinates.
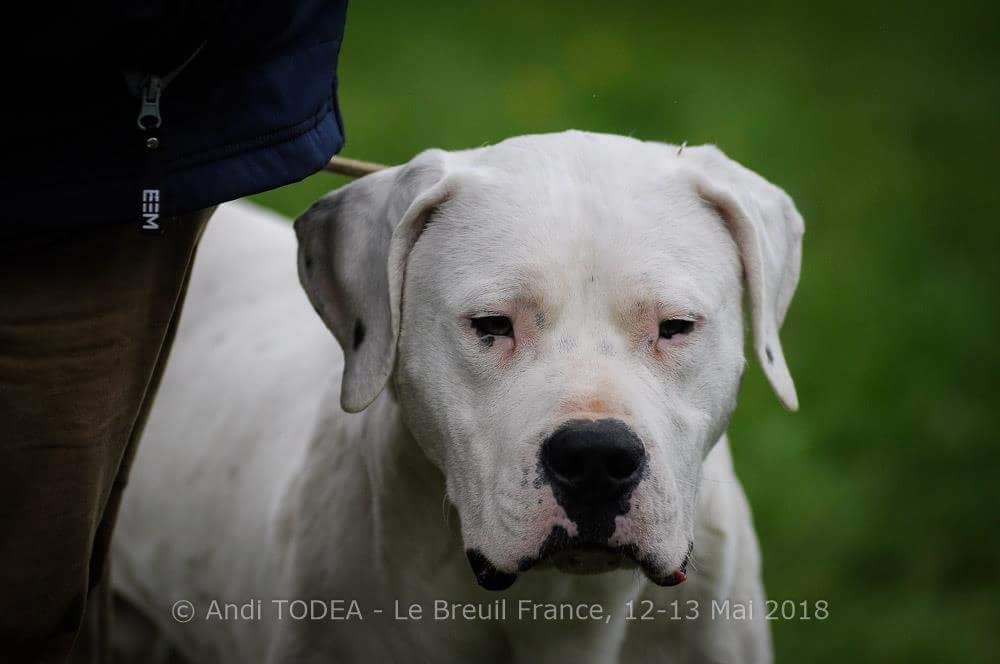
{"type": "Point", "coordinates": [129, 111]}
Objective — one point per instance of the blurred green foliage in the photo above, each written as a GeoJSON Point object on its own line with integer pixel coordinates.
{"type": "Point", "coordinates": [881, 494]}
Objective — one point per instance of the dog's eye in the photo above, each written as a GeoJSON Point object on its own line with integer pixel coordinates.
{"type": "Point", "coordinates": [493, 326]}
{"type": "Point", "coordinates": [675, 326]}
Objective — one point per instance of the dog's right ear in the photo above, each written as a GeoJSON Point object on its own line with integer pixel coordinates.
{"type": "Point", "coordinates": [353, 246]}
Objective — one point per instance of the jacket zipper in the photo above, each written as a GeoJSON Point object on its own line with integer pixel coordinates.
{"type": "Point", "coordinates": [149, 113]}
{"type": "Point", "coordinates": [151, 92]}
{"type": "Point", "coordinates": [150, 122]}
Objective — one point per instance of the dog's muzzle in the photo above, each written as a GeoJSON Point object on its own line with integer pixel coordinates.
{"type": "Point", "coordinates": [592, 466]}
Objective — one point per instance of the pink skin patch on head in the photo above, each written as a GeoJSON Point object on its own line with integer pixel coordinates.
{"type": "Point", "coordinates": [664, 345]}
{"type": "Point", "coordinates": [646, 325]}
{"type": "Point", "coordinates": [524, 328]}
{"type": "Point", "coordinates": [597, 403]}
{"type": "Point", "coordinates": [505, 345]}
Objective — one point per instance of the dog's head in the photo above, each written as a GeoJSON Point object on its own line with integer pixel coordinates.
{"type": "Point", "coordinates": [561, 316]}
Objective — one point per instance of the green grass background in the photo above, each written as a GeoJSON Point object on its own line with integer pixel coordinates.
{"type": "Point", "coordinates": [881, 494]}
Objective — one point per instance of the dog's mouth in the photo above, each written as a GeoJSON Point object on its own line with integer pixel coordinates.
{"type": "Point", "coordinates": [574, 557]}
{"type": "Point", "coordinates": [588, 559]}
{"type": "Point", "coordinates": [579, 556]}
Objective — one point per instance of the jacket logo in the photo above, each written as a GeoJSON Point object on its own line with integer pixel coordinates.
{"type": "Point", "coordinates": [150, 209]}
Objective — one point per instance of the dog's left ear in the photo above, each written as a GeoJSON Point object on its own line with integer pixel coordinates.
{"type": "Point", "coordinates": [353, 248]}
{"type": "Point", "coordinates": [768, 230]}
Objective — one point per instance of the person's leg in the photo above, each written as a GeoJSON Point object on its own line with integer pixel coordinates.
{"type": "Point", "coordinates": [86, 318]}
{"type": "Point", "coordinates": [94, 643]}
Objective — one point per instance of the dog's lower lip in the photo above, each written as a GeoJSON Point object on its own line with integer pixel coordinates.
{"type": "Point", "coordinates": [677, 578]}
{"type": "Point", "coordinates": [582, 558]}
{"type": "Point", "coordinates": [487, 575]}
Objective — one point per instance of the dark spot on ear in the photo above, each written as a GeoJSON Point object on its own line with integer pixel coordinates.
{"type": "Point", "coordinates": [359, 333]}
{"type": "Point", "coordinates": [308, 262]}
{"type": "Point", "coordinates": [770, 356]}
{"type": "Point", "coordinates": [540, 320]}
{"type": "Point", "coordinates": [487, 341]}
{"type": "Point", "coordinates": [327, 204]}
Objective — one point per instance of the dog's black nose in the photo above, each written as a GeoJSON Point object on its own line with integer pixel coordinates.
{"type": "Point", "coordinates": [593, 465]}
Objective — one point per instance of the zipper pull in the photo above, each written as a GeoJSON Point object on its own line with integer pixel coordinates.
{"type": "Point", "coordinates": [149, 112]}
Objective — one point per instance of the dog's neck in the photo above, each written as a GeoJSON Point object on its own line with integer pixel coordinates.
{"type": "Point", "coordinates": [395, 463]}
{"type": "Point", "coordinates": [407, 495]}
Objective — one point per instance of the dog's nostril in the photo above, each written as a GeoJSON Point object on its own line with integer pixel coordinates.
{"type": "Point", "coordinates": [622, 464]}
{"type": "Point", "coordinates": [567, 464]}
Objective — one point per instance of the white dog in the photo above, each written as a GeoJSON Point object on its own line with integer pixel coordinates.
{"type": "Point", "coordinates": [543, 343]}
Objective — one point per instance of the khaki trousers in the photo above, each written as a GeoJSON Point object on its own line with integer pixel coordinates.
{"type": "Point", "coordinates": [86, 322]}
